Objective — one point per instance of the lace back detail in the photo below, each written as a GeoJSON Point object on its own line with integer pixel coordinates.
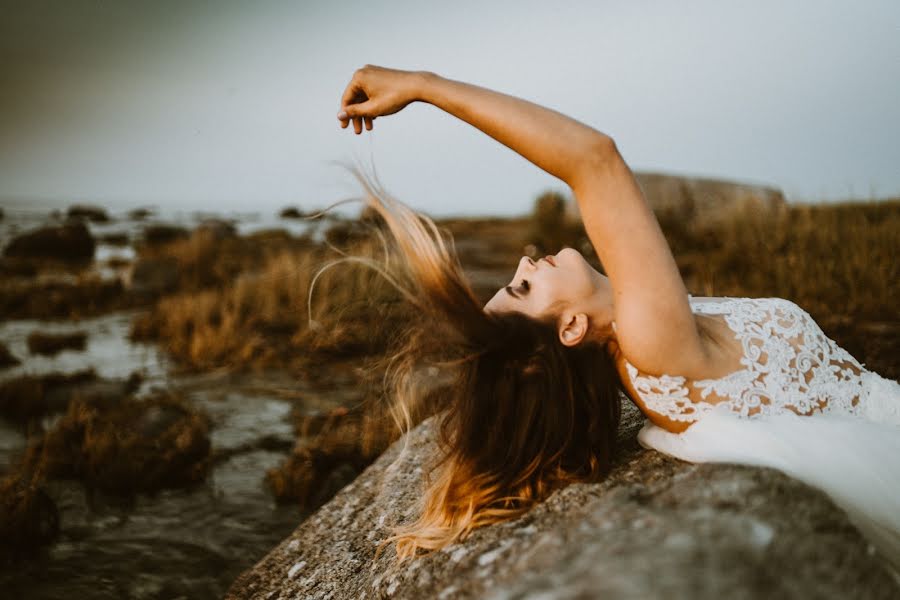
{"type": "Point", "coordinates": [788, 364]}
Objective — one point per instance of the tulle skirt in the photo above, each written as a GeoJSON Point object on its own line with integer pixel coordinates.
{"type": "Point", "coordinates": [854, 459]}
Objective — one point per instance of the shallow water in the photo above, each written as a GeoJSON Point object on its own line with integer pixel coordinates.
{"type": "Point", "coordinates": [108, 350]}
{"type": "Point", "coordinates": [188, 543]}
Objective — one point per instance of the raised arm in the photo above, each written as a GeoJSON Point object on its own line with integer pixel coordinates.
{"type": "Point", "coordinates": [655, 328]}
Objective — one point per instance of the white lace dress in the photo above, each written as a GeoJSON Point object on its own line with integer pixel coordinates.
{"type": "Point", "coordinates": [847, 441]}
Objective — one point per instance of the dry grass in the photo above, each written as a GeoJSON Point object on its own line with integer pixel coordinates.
{"type": "Point", "coordinates": [331, 450]}
{"type": "Point", "coordinates": [260, 317]}
{"type": "Point", "coordinates": [828, 258]}
{"type": "Point", "coordinates": [839, 262]}
{"type": "Point", "coordinates": [133, 446]}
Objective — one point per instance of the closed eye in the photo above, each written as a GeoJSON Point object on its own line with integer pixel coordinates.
{"type": "Point", "coordinates": [519, 291]}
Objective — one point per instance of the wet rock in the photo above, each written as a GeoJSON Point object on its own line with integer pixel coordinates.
{"type": "Point", "coordinates": [29, 397]}
{"type": "Point", "coordinates": [656, 527]}
{"type": "Point", "coordinates": [139, 214]}
{"type": "Point", "coordinates": [88, 212]}
{"type": "Point", "coordinates": [51, 343]}
{"type": "Point", "coordinates": [117, 262]}
{"type": "Point", "coordinates": [152, 275]}
{"type": "Point", "coordinates": [70, 242]}
{"type": "Point", "coordinates": [125, 448]}
{"type": "Point", "coordinates": [17, 267]}
{"type": "Point", "coordinates": [115, 239]}
{"type": "Point", "coordinates": [7, 359]}
{"type": "Point", "coordinates": [160, 233]}
{"type": "Point", "coordinates": [65, 298]}
{"type": "Point", "coordinates": [291, 212]}
{"type": "Point", "coordinates": [29, 519]}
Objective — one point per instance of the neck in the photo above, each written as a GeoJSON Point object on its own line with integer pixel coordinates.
{"type": "Point", "coordinates": [601, 314]}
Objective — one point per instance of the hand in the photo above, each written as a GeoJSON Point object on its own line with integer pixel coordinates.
{"type": "Point", "coordinates": [375, 92]}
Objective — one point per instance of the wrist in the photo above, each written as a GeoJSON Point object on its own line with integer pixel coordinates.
{"type": "Point", "coordinates": [423, 84]}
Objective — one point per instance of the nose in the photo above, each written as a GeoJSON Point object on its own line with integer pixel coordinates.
{"type": "Point", "coordinates": [526, 262]}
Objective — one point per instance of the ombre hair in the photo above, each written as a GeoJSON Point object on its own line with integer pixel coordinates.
{"type": "Point", "coordinates": [519, 413]}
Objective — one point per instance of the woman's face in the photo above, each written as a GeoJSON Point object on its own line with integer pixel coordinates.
{"type": "Point", "coordinates": [545, 287]}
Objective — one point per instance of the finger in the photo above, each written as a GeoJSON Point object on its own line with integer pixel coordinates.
{"type": "Point", "coordinates": [351, 92]}
{"type": "Point", "coordinates": [357, 124]}
{"type": "Point", "coordinates": [368, 122]}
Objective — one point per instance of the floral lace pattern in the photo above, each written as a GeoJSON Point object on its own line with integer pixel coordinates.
{"type": "Point", "coordinates": [788, 364]}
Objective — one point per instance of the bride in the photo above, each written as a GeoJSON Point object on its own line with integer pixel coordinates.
{"type": "Point", "coordinates": [537, 371]}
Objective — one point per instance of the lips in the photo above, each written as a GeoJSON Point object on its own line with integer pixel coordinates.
{"type": "Point", "coordinates": [550, 260]}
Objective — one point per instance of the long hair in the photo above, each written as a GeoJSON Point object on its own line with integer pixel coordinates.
{"type": "Point", "coordinates": [520, 414]}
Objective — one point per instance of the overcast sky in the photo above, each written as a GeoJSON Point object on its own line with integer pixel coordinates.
{"type": "Point", "coordinates": [231, 105]}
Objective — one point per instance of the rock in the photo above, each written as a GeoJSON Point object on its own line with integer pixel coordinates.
{"type": "Point", "coordinates": [700, 198]}
{"type": "Point", "coordinates": [29, 518]}
{"type": "Point", "coordinates": [291, 212]}
{"type": "Point", "coordinates": [51, 343]}
{"type": "Point", "coordinates": [152, 275]}
{"type": "Point", "coordinates": [115, 238]}
{"type": "Point", "coordinates": [139, 214]}
{"type": "Point", "coordinates": [7, 359]}
{"type": "Point", "coordinates": [61, 298]}
{"type": "Point", "coordinates": [656, 527]}
{"type": "Point", "coordinates": [127, 447]}
{"type": "Point", "coordinates": [160, 233]}
{"type": "Point", "coordinates": [88, 212]}
{"type": "Point", "coordinates": [29, 397]}
{"type": "Point", "coordinates": [69, 242]}
{"type": "Point", "coordinates": [17, 267]}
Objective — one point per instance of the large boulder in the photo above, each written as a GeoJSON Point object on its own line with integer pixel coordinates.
{"type": "Point", "coordinates": [68, 242]}
{"type": "Point", "coordinates": [704, 198]}
{"type": "Point", "coordinates": [656, 527]}
{"type": "Point", "coordinates": [700, 198]}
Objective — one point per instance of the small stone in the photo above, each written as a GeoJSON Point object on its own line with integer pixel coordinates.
{"type": "Point", "coordinates": [296, 569]}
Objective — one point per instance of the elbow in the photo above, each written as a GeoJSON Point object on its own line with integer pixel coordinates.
{"type": "Point", "coordinates": [603, 150]}
{"type": "Point", "coordinates": [600, 156]}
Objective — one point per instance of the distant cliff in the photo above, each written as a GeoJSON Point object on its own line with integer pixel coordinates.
{"type": "Point", "coordinates": [655, 528]}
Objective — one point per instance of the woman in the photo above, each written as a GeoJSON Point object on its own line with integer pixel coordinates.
{"type": "Point", "coordinates": [537, 371]}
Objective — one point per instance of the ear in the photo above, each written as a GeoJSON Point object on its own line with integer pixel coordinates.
{"type": "Point", "coordinates": [573, 328]}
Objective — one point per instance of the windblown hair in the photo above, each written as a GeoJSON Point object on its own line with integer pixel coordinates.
{"type": "Point", "coordinates": [523, 414]}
